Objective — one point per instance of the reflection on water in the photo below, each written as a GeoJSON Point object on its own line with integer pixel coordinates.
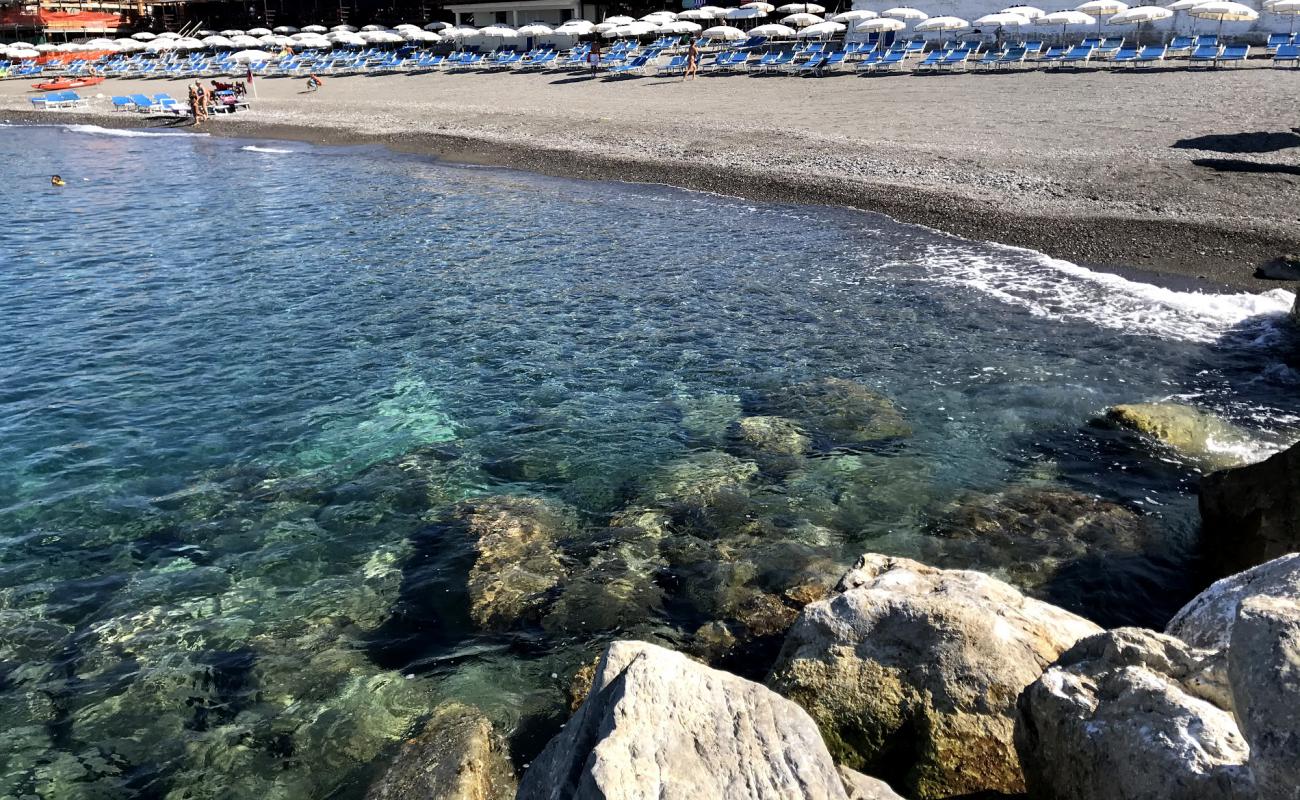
{"type": "Point", "coordinates": [297, 444]}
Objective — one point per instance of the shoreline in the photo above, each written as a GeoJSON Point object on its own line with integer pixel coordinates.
{"type": "Point", "coordinates": [1175, 249]}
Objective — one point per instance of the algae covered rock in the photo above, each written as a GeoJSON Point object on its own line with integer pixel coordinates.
{"type": "Point", "coordinates": [1251, 514]}
{"type": "Point", "coordinates": [1131, 714]}
{"type": "Point", "coordinates": [659, 725]}
{"type": "Point", "coordinates": [1264, 671]}
{"type": "Point", "coordinates": [457, 757]}
{"type": "Point", "coordinates": [1190, 432]}
{"type": "Point", "coordinates": [912, 672]}
{"type": "Point", "coordinates": [840, 412]}
{"type": "Point", "coordinates": [776, 443]}
{"type": "Point", "coordinates": [519, 563]}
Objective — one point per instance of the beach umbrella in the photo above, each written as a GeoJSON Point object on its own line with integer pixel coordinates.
{"type": "Point", "coordinates": [498, 32]}
{"type": "Point", "coordinates": [203, 33]}
{"type": "Point", "coordinates": [259, 31]}
{"type": "Point", "coordinates": [618, 19]}
{"type": "Point", "coordinates": [801, 20]}
{"type": "Point", "coordinates": [343, 29]}
{"type": "Point", "coordinates": [244, 40]}
{"type": "Point", "coordinates": [1101, 8]}
{"type": "Point", "coordinates": [536, 29]}
{"type": "Point", "coordinates": [216, 40]}
{"type": "Point", "coordinates": [631, 30]}
{"type": "Point", "coordinates": [130, 45]}
{"type": "Point", "coordinates": [716, 11]}
{"type": "Point", "coordinates": [725, 32]}
{"type": "Point", "coordinates": [250, 56]}
{"type": "Point", "coordinates": [232, 32]}
{"type": "Point", "coordinates": [340, 39]}
{"type": "Point", "coordinates": [774, 31]}
{"type": "Point", "coordinates": [660, 17]}
{"type": "Point", "coordinates": [314, 29]}
{"type": "Point", "coordinates": [1137, 15]}
{"type": "Point", "coordinates": [905, 13]}
{"type": "Point", "coordinates": [680, 26]}
{"type": "Point", "coordinates": [142, 36]}
{"type": "Point", "coordinates": [767, 7]}
{"type": "Point", "coordinates": [169, 35]}
{"type": "Point", "coordinates": [745, 13]}
{"type": "Point", "coordinates": [380, 37]}
{"type": "Point", "coordinates": [576, 27]}
{"type": "Point", "coordinates": [801, 8]}
{"type": "Point", "coordinates": [880, 25]}
{"type": "Point", "coordinates": [697, 14]}
{"type": "Point", "coordinates": [1001, 20]}
{"type": "Point", "coordinates": [285, 30]}
{"type": "Point", "coordinates": [370, 28]}
{"type": "Point", "coordinates": [1065, 19]}
{"type": "Point", "coordinates": [189, 43]}
{"type": "Point", "coordinates": [437, 27]}
{"type": "Point", "coordinates": [1030, 13]}
{"type": "Point", "coordinates": [275, 40]}
{"type": "Point", "coordinates": [1224, 11]}
{"type": "Point", "coordinates": [460, 32]}
{"type": "Point", "coordinates": [21, 53]}
{"type": "Point", "coordinates": [158, 45]}
{"type": "Point", "coordinates": [856, 15]}
{"type": "Point", "coordinates": [941, 24]}
{"type": "Point", "coordinates": [1286, 8]}
{"type": "Point", "coordinates": [827, 29]}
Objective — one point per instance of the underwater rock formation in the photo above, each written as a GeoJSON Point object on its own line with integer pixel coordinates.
{"type": "Point", "coordinates": [457, 757]}
{"type": "Point", "coordinates": [912, 672]}
{"type": "Point", "coordinates": [1251, 514]}
{"type": "Point", "coordinates": [840, 413]}
{"type": "Point", "coordinates": [1194, 434]}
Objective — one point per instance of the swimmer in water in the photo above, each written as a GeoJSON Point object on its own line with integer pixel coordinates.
{"type": "Point", "coordinates": [55, 180]}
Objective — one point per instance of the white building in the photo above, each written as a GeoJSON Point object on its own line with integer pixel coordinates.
{"type": "Point", "coordinates": [521, 12]}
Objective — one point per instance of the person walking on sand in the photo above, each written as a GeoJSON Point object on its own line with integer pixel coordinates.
{"type": "Point", "coordinates": [593, 58]}
{"type": "Point", "coordinates": [194, 105]}
{"type": "Point", "coordinates": [692, 62]}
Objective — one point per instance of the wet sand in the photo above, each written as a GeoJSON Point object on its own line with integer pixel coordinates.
{"type": "Point", "coordinates": [1170, 172]}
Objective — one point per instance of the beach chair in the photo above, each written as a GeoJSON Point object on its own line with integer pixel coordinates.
{"type": "Point", "coordinates": [1110, 46]}
{"type": "Point", "coordinates": [1033, 48]}
{"type": "Point", "coordinates": [1210, 39]}
{"type": "Point", "coordinates": [1011, 58]}
{"type": "Point", "coordinates": [989, 60]}
{"type": "Point", "coordinates": [868, 62]}
{"type": "Point", "coordinates": [1287, 55]}
{"type": "Point", "coordinates": [1234, 54]}
{"type": "Point", "coordinates": [833, 61]}
{"type": "Point", "coordinates": [1181, 45]}
{"type": "Point", "coordinates": [916, 46]}
{"type": "Point", "coordinates": [1051, 55]}
{"type": "Point", "coordinates": [782, 60]}
{"type": "Point", "coordinates": [625, 69]}
{"type": "Point", "coordinates": [931, 60]}
{"type": "Point", "coordinates": [1125, 55]}
{"type": "Point", "coordinates": [811, 65]}
{"type": "Point", "coordinates": [954, 60]}
{"type": "Point", "coordinates": [1079, 54]}
{"type": "Point", "coordinates": [675, 66]}
{"type": "Point", "coordinates": [1276, 40]}
{"type": "Point", "coordinates": [1151, 54]}
{"type": "Point", "coordinates": [123, 103]}
{"type": "Point", "coordinates": [1204, 55]}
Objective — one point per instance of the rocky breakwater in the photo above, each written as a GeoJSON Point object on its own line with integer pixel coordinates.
{"type": "Point", "coordinates": [1209, 709]}
{"type": "Point", "coordinates": [1251, 514]}
{"type": "Point", "coordinates": [913, 672]}
{"type": "Point", "coordinates": [659, 725]}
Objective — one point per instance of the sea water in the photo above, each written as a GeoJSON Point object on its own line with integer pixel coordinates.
{"type": "Point", "coordinates": [244, 386]}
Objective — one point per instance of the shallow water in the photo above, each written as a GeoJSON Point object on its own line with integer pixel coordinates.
{"type": "Point", "coordinates": [243, 388]}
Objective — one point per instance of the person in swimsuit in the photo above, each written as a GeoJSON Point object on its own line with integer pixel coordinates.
{"type": "Point", "coordinates": [692, 62]}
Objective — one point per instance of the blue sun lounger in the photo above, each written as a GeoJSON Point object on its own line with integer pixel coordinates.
{"type": "Point", "coordinates": [637, 65]}
{"type": "Point", "coordinates": [931, 60]}
{"type": "Point", "coordinates": [1151, 54]}
{"type": "Point", "coordinates": [831, 61]}
{"type": "Point", "coordinates": [1235, 54]}
{"type": "Point", "coordinates": [1204, 55]}
{"type": "Point", "coordinates": [675, 66]}
{"type": "Point", "coordinates": [955, 59]}
{"type": "Point", "coordinates": [123, 104]}
{"type": "Point", "coordinates": [1125, 55]}
{"type": "Point", "coordinates": [1011, 58]}
{"type": "Point", "coordinates": [990, 59]}
{"type": "Point", "coordinates": [1276, 40]}
{"type": "Point", "coordinates": [891, 60]}
{"type": "Point", "coordinates": [1052, 55]}
{"type": "Point", "coordinates": [811, 65]}
{"type": "Point", "coordinates": [1288, 55]}
{"type": "Point", "coordinates": [1079, 54]}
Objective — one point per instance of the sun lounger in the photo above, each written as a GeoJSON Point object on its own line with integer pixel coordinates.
{"type": "Point", "coordinates": [1033, 48]}
{"type": "Point", "coordinates": [892, 60]}
{"type": "Point", "coordinates": [1204, 55]}
{"type": "Point", "coordinates": [783, 59]}
{"type": "Point", "coordinates": [1287, 55]}
{"type": "Point", "coordinates": [1012, 57]}
{"type": "Point", "coordinates": [1276, 40]}
{"type": "Point", "coordinates": [1079, 54]}
{"type": "Point", "coordinates": [989, 59]}
{"type": "Point", "coordinates": [1234, 54]}
{"type": "Point", "coordinates": [1181, 45]}
{"type": "Point", "coordinates": [1126, 55]}
{"type": "Point", "coordinates": [954, 60]}
{"type": "Point", "coordinates": [1110, 46]}
{"type": "Point", "coordinates": [811, 65]}
{"type": "Point", "coordinates": [1207, 39]}
{"type": "Point", "coordinates": [1151, 54]}
{"type": "Point", "coordinates": [868, 63]}
{"type": "Point", "coordinates": [123, 104]}
{"type": "Point", "coordinates": [675, 66]}
{"type": "Point", "coordinates": [931, 60]}
{"type": "Point", "coordinates": [637, 65]}
{"type": "Point", "coordinates": [1052, 54]}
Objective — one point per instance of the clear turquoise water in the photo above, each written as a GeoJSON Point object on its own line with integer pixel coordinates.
{"type": "Point", "coordinates": [241, 386]}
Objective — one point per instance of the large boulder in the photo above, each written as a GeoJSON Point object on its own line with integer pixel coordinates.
{"type": "Point", "coordinates": [1264, 670]}
{"type": "Point", "coordinates": [1130, 714]}
{"type": "Point", "coordinates": [658, 725]}
{"type": "Point", "coordinates": [519, 563]}
{"type": "Point", "coordinates": [1251, 514]}
{"type": "Point", "coordinates": [458, 757]}
{"type": "Point", "coordinates": [912, 672]}
{"type": "Point", "coordinates": [1207, 621]}
{"type": "Point", "coordinates": [1194, 434]}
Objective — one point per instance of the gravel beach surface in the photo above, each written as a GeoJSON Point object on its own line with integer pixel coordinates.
{"type": "Point", "coordinates": [1169, 172]}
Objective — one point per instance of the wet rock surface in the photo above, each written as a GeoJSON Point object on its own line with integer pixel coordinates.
{"type": "Point", "coordinates": [1134, 714]}
{"type": "Point", "coordinates": [838, 412]}
{"type": "Point", "coordinates": [658, 725]}
{"type": "Point", "coordinates": [912, 672]}
{"type": "Point", "coordinates": [1189, 432]}
{"type": "Point", "coordinates": [457, 757]}
{"type": "Point", "coordinates": [1251, 514]}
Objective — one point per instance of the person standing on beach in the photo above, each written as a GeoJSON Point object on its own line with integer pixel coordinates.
{"type": "Point", "coordinates": [593, 57]}
{"type": "Point", "coordinates": [194, 104]}
{"type": "Point", "coordinates": [692, 62]}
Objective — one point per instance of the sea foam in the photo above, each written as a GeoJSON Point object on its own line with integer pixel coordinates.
{"type": "Point", "coordinates": [96, 130]}
{"type": "Point", "coordinates": [1056, 289]}
{"type": "Point", "coordinates": [252, 148]}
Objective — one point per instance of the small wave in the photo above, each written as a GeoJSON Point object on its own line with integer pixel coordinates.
{"type": "Point", "coordinates": [96, 130]}
{"type": "Point", "coordinates": [1057, 289]}
{"type": "Point", "coordinates": [252, 148]}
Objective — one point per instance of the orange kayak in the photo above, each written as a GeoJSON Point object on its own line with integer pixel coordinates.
{"type": "Point", "coordinates": [67, 83]}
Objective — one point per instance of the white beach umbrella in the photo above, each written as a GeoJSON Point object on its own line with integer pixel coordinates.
{"type": "Point", "coordinates": [1101, 8]}
{"type": "Point", "coordinates": [725, 32]}
{"type": "Point", "coordinates": [940, 24]}
{"type": "Point", "coordinates": [498, 32]}
{"type": "Point", "coordinates": [370, 28]}
{"type": "Point", "coordinates": [130, 45]}
{"type": "Point", "coordinates": [801, 20]}
{"type": "Point", "coordinates": [1286, 8]}
{"type": "Point", "coordinates": [680, 26]}
{"type": "Point", "coordinates": [65, 47]}
{"type": "Point", "coordinates": [1065, 19]}
{"type": "Point", "coordinates": [103, 44]}
{"type": "Point", "coordinates": [774, 31]}
{"type": "Point", "coordinates": [285, 30]}
{"type": "Point", "coordinates": [576, 27]}
{"type": "Point", "coordinates": [801, 8]}
{"type": "Point", "coordinates": [437, 27]}
{"type": "Point", "coordinates": [1001, 20]}
{"type": "Point", "coordinates": [218, 41]}
{"type": "Point", "coordinates": [1030, 13]}
{"type": "Point", "coordinates": [30, 46]}
{"type": "Point", "coordinates": [428, 37]}
{"type": "Point", "coordinates": [200, 34]}
{"type": "Point", "coordinates": [47, 47]}
{"type": "Point", "coordinates": [232, 32]}
{"type": "Point", "coordinates": [536, 29]}
{"type": "Point", "coordinates": [745, 13]}
{"type": "Point", "coordinates": [158, 45]}
{"type": "Point", "coordinates": [827, 29]}
{"type": "Point", "coordinates": [314, 29]}
{"type": "Point", "coordinates": [905, 13]}
{"type": "Point", "coordinates": [143, 36]}
{"type": "Point", "coordinates": [768, 7]}
{"type": "Point", "coordinates": [618, 19]}
{"type": "Point", "coordinates": [169, 35]}
{"type": "Point", "coordinates": [659, 17]}
{"type": "Point", "coordinates": [460, 32]}
{"type": "Point", "coordinates": [880, 25]}
{"type": "Point", "coordinates": [259, 31]}
{"type": "Point", "coordinates": [716, 11]}
{"type": "Point", "coordinates": [1224, 11]}
{"type": "Point", "coordinates": [857, 15]}
{"type": "Point", "coordinates": [21, 53]}
{"type": "Point", "coordinates": [244, 40]}
{"type": "Point", "coordinates": [1139, 14]}
{"type": "Point", "coordinates": [633, 30]}
{"type": "Point", "coordinates": [343, 29]}
{"type": "Point", "coordinates": [696, 14]}
{"type": "Point", "coordinates": [342, 39]}
{"type": "Point", "coordinates": [379, 37]}
{"type": "Point", "coordinates": [251, 56]}
{"type": "Point", "coordinates": [190, 43]}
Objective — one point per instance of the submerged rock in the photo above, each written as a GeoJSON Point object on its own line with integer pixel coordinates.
{"type": "Point", "coordinates": [1027, 532]}
{"type": "Point", "coordinates": [658, 725]}
{"type": "Point", "coordinates": [1188, 431]}
{"type": "Point", "coordinates": [1264, 670]}
{"type": "Point", "coordinates": [519, 562]}
{"type": "Point", "coordinates": [1207, 620]}
{"type": "Point", "coordinates": [912, 672]}
{"type": "Point", "coordinates": [841, 412]}
{"type": "Point", "coordinates": [457, 757]}
{"type": "Point", "coordinates": [1251, 514]}
{"type": "Point", "coordinates": [700, 480]}
{"type": "Point", "coordinates": [776, 443]}
{"type": "Point", "coordinates": [1135, 715]}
